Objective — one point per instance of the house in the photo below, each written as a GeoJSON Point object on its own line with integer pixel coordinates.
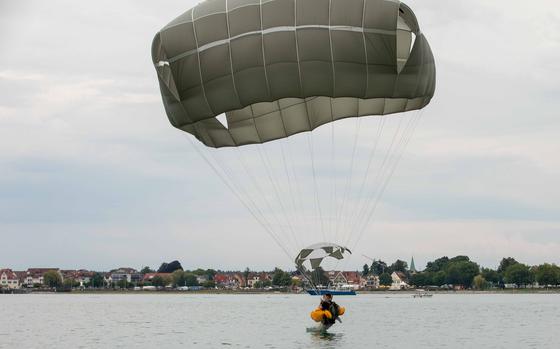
{"type": "Point", "coordinates": [297, 281]}
{"type": "Point", "coordinates": [226, 280]}
{"type": "Point", "coordinates": [8, 279]}
{"type": "Point", "coordinates": [256, 277]}
{"type": "Point", "coordinates": [80, 276]}
{"type": "Point", "coordinates": [371, 282]}
{"type": "Point", "coordinates": [239, 279]}
{"type": "Point", "coordinates": [131, 275]}
{"type": "Point", "coordinates": [353, 278]}
{"type": "Point", "coordinates": [400, 281]}
{"type": "Point", "coordinates": [201, 279]}
{"type": "Point", "coordinates": [335, 277]}
{"type": "Point", "coordinates": [34, 276]}
{"type": "Point", "coordinates": [149, 277]}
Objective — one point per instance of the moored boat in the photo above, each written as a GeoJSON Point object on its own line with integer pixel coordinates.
{"type": "Point", "coordinates": [334, 292]}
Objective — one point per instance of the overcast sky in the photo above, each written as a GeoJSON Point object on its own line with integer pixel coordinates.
{"type": "Point", "coordinates": [92, 175]}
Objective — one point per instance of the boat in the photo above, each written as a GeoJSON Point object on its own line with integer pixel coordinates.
{"type": "Point", "coordinates": [422, 295]}
{"type": "Point", "coordinates": [335, 292]}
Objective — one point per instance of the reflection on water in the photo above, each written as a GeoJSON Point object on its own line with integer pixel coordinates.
{"type": "Point", "coordinates": [277, 321]}
{"type": "Point", "coordinates": [326, 340]}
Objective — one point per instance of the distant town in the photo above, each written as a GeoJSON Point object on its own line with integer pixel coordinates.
{"type": "Point", "coordinates": [457, 273]}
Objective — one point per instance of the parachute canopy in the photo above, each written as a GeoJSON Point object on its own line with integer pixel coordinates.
{"type": "Point", "coordinates": [311, 257]}
{"type": "Point", "coordinates": [280, 67]}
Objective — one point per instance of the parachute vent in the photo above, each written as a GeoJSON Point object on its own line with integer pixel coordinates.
{"type": "Point", "coordinates": [223, 120]}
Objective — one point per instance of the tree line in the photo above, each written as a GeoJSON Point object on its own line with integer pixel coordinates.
{"type": "Point", "coordinates": [461, 271]}
{"type": "Point", "coordinates": [168, 274]}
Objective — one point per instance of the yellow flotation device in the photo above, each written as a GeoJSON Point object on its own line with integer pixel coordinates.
{"type": "Point", "coordinates": [341, 310]}
{"type": "Point", "coordinates": [319, 314]}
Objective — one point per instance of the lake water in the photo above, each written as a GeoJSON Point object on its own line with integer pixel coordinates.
{"type": "Point", "coordinates": [277, 321]}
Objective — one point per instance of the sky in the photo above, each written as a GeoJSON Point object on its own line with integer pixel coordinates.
{"type": "Point", "coordinates": [92, 175]}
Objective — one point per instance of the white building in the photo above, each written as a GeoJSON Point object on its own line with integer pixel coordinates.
{"type": "Point", "coordinates": [371, 281]}
{"type": "Point", "coordinates": [34, 276]}
{"type": "Point", "coordinates": [8, 279]}
{"type": "Point", "coordinates": [128, 274]}
{"type": "Point", "coordinates": [399, 281]}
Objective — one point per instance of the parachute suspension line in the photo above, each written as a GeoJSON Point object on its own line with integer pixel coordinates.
{"type": "Point", "coordinates": [407, 136]}
{"type": "Point", "coordinates": [238, 196]}
{"type": "Point", "coordinates": [342, 208]}
{"type": "Point", "coordinates": [245, 190]}
{"type": "Point", "coordinates": [308, 278]}
{"type": "Point", "coordinates": [380, 127]}
{"type": "Point", "coordinates": [275, 185]}
{"type": "Point", "coordinates": [332, 206]}
{"type": "Point", "coordinates": [404, 142]}
{"type": "Point", "coordinates": [246, 193]}
{"type": "Point", "coordinates": [263, 195]}
{"type": "Point", "coordinates": [302, 212]}
{"type": "Point", "coordinates": [317, 202]}
{"type": "Point", "coordinates": [362, 208]}
{"type": "Point", "coordinates": [333, 176]}
{"type": "Point", "coordinates": [293, 192]}
{"type": "Point", "coordinates": [372, 153]}
{"type": "Point", "coordinates": [379, 178]}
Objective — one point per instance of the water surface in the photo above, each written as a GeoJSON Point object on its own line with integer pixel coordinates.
{"type": "Point", "coordinates": [277, 321]}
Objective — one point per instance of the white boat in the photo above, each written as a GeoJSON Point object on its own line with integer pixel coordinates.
{"type": "Point", "coordinates": [422, 295]}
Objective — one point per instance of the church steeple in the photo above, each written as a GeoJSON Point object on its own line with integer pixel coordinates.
{"type": "Point", "coordinates": [412, 268]}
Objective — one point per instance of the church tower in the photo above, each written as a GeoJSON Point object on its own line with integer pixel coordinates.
{"type": "Point", "coordinates": [412, 268]}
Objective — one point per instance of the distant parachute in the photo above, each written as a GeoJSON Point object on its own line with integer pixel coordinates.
{"type": "Point", "coordinates": [257, 79]}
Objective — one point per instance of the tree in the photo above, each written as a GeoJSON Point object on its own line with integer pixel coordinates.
{"type": "Point", "coordinates": [178, 278]}
{"type": "Point", "coordinates": [319, 277]}
{"type": "Point", "coordinates": [170, 267]}
{"type": "Point", "coordinates": [191, 279]}
{"type": "Point", "coordinates": [547, 274]}
{"type": "Point", "coordinates": [399, 265]}
{"type": "Point", "coordinates": [506, 263]}
{"type": "Point", "coordinates": [52, 279]}
{"type": "Point", "coordinates": [365, 270]}
{"type": "Point", "coordinates": [70, 283]}
{"type": "Point", "coordinates": [246, 274]}
{"type": "Point", "coordinates": [385, 279]}
{"type": "Point", "coordinates": [518, 274]}
{"type": "Point", "coordinates": [209, 284]}
{"type": "Point", "coordinates": [490, 275]}
{"type": "Point", "coordinates": [262, 284]}
{"type": "Point", "coordinates": [97, 280]}
{"type": "Point", "coordinates": [378, 267]}
{"type": "Point", "coordinates": [437, 265]}
{"type": "Point", "coordinates": [422, 279]}
{"type": "Point", "coordinates": [461, 272]}
{"type": "Point", "coordinates": [123, 283]}
{"type": "Point", "coordinates": [158, 281]}
{"type": "Point", "coordinates": [459, 259]}
{"type": "Point", "coordinates": [438, 279]}
{"type": "Point", "coordinates": [281, 278]}
{"type": "Point", "coordinates": [147, 270]}
{"type": "Point", "coordinates": [210, 273]}
{"type": "Point", "coordinates": [479, 282]}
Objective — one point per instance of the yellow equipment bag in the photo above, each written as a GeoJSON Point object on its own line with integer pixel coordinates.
{"type": "Point", "coordinates": [318, 314]}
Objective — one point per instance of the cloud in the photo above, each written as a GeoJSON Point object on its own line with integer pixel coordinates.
{"type": "Point", "coordinates": [89, 160]}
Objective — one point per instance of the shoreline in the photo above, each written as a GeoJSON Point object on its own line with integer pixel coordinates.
{"type": "Point", "coordinates": [260, 292]}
